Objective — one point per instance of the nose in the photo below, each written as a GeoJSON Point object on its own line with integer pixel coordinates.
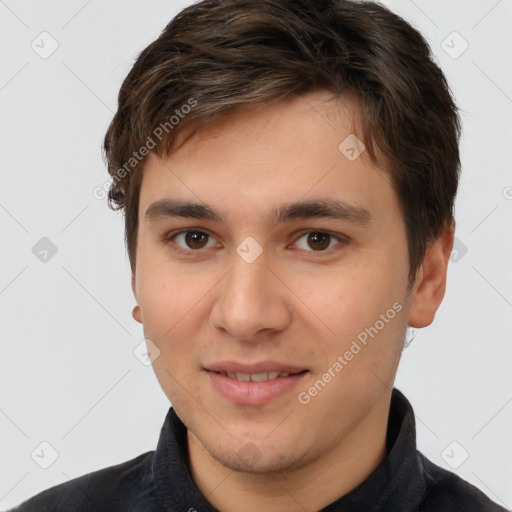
{"type": "Point", "coordinates": [252, 301]}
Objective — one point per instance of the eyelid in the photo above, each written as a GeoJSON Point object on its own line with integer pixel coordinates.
{"type": "Point", "coordinates": [172, 234]}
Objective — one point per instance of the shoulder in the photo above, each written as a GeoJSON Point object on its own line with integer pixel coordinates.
{"type": "Point", "coordinates": [108, 489]}
{"type": "Point", "coordinates": [448, 492]}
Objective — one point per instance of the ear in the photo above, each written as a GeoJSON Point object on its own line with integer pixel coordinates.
{"type": "Point", "coordinates": [430, 282]}
{"type": "Point", "coordinates": [136, 310]}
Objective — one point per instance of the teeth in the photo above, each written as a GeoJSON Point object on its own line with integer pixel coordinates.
{"type": "Point", "coordinates": [255, 377]}
{"type": "Point", "coordinates": [258, 377]}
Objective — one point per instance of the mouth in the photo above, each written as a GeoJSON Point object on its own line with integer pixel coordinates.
{"type": "Point", "coordinates": [254, 384]}
{"type": "Point", "coordinates": [257, 377]}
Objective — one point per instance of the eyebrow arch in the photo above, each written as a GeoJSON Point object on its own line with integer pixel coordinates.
{"type": "Point", "coordinates": [314, 208]}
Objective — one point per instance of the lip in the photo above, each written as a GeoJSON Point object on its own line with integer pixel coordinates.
{"type": "Point", "coordinates": [254, 393]}
{"type": "Point", "coordinates": [261, 367]}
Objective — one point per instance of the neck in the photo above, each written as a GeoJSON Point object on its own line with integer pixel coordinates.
{"type": "Point", "coordinates": [312, 486]}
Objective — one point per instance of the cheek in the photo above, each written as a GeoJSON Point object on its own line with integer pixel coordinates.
{"type": "Point", "coordinates": [365, 311]}
{"type": "Point", "coordinates": [170, 305]}
{"type": "Point", "coordinates": [165, 293]}
{"type": "Point", "coordinates": [351, 299]}
{"type": "Point", "coordinates": [174, 303]}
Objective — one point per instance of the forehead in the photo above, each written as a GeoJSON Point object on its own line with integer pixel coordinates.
{"type": "Point", "coordinates": [257, 158]}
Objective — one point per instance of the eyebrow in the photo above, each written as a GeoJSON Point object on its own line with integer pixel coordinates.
{"type": "Point", "coordinates": [314, 208]}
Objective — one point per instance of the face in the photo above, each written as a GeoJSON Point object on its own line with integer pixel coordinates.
{"type": "Point", "coordinates": [291, 270]}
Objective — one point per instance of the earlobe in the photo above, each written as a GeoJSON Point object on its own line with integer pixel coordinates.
{"type": "Point", "coordinates": [136, 314]}
{"type": "Point", "coordinates": [430, 284]}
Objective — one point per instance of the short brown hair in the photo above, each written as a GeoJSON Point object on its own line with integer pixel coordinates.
{"type": "Point", "coordinates": [218, 55]}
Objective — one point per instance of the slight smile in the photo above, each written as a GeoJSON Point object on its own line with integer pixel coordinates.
{"type": "Point", "coordinates": [254, 384]}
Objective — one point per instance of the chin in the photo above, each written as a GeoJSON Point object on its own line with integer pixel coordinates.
{"type": "Point", "coordinates": [257, 463]}
{"type": "Point", "coordinates": [257, 457]}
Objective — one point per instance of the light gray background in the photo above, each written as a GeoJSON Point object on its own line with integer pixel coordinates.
{"type": "Point", "coordinates": [68, 373]}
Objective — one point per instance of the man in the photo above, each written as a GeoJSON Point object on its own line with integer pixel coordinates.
{"type": "Point", "coordinates": [287, 171]}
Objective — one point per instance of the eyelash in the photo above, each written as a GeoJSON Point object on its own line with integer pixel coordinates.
{"type": "Point", "coordinates": [169, 239]}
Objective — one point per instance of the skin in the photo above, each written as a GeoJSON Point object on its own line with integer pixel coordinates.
{"type": "Point", "coordinates": [296, 303]}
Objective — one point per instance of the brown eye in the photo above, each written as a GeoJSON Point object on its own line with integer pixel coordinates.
{"type": "Point", "coordinates": [196, 239]}
{"type": "Point", "coordinates": [318, 240]}
{"type": "Point", "coordinates": [192, 240]}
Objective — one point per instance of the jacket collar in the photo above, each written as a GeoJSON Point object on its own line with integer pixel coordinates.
{"type": "Point", "coordinates": [397, 481]}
